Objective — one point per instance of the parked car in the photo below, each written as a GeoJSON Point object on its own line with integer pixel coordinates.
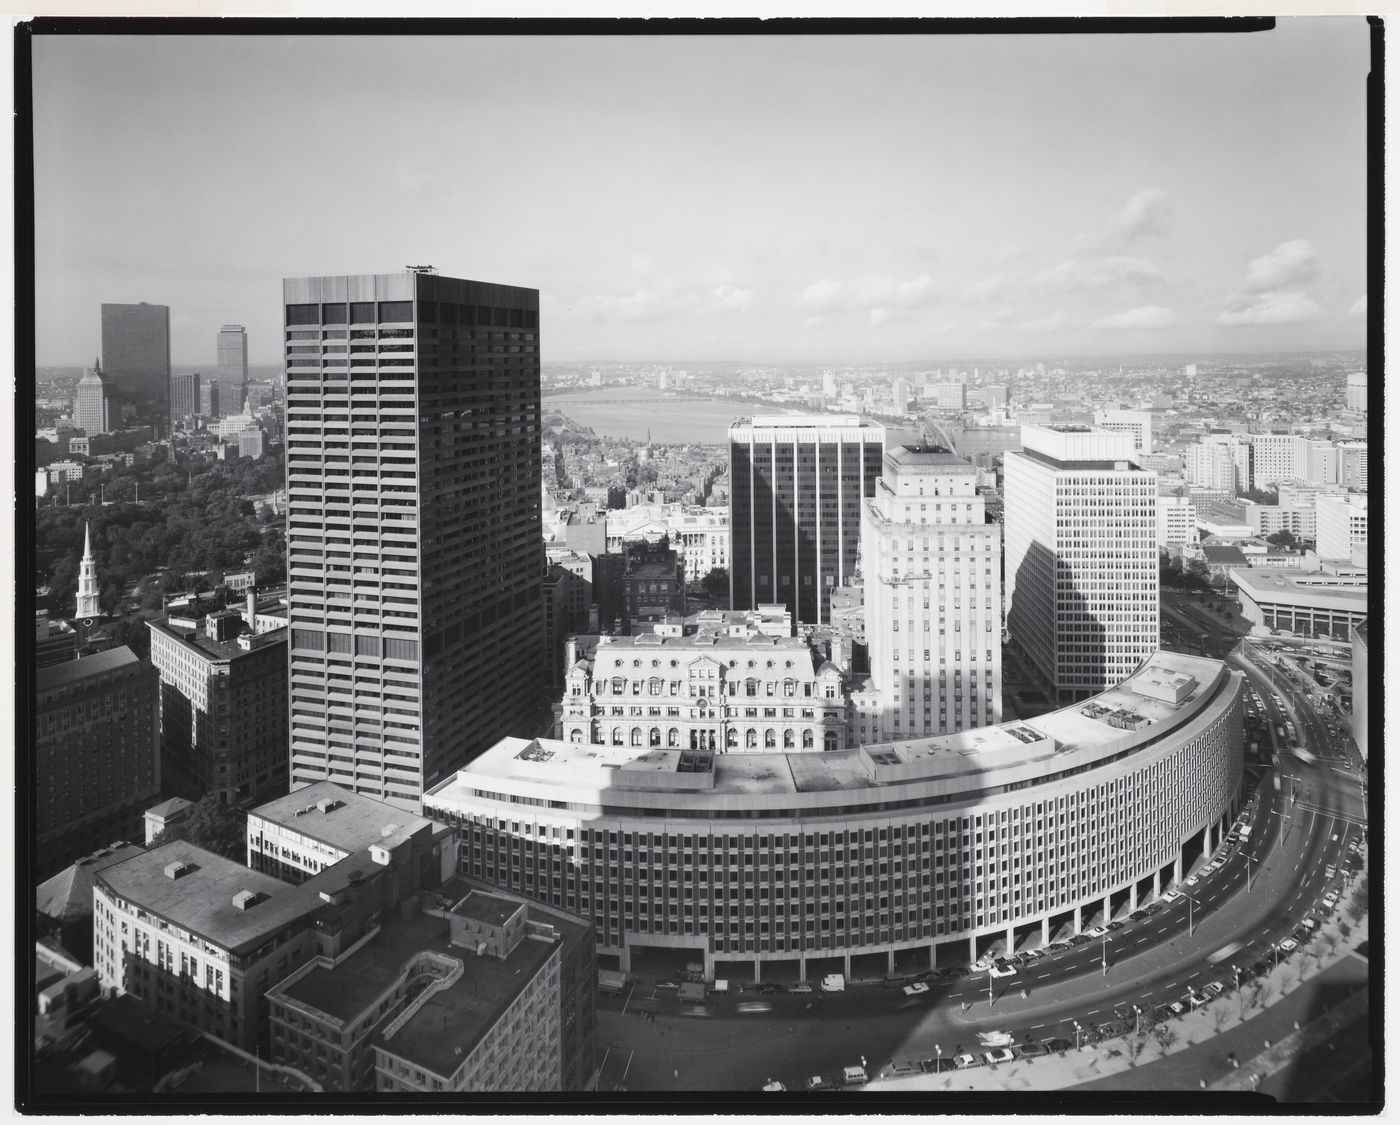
{"type": "Point", "coordinates": [1001, 1055]}
{"type": "Point", "coordinates": [817, 1082]}
{"type": "Point", "coordinates": [767, 988]}
{"type": "Point", "coordinates": [1057, 1044]}
{"type": "Point", "coordinates": [854, 1076]}
{"type": "Point", "coordinates": [753, 1007]}
{"type": "Point", "coordinates": [1196, 999]}
{"type": "Point", "coordinates": [833, 982]}
{"type": "Point", "coordinates": [1115, 926]}
{"type": "Point", "coordinates": [1176, 1007]}
{"type": "Point", "coordinates": [981, 965]}
{"type": "Point", "coordinates": [1032, 1050]}
{"type": "Point", "coordinates": [999, 971]}
{"type": "Point", "coordinates": [667, 986]}
{"type": "Point", "coordinates": [1080, 939]}
{"type": "Point", "coordinates": [966, 1062]}
{"type": "Point", "coordinates": [901, 1070]}
{"type": "Point", "coordinates": [1330, 898]}
{"type": "Point", "coordinates": [915, 989]}
{"type": "Point", "coordinates": [1096, 932]}
{"type": "Point", "coordinates": [1171, 896]}
{"type": "Point", "coordinates": [1193, 880]}
{"type": "Point", "coordinates": [1214, 988]}
{"type": "Point", "coordinates": [773, 1087]}
{"type": "Point", "coordinates": [802, 986]}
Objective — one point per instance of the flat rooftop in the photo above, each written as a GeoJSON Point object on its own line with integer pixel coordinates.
{"type": "Point", "coordinates": [1286, 586]}
{"type": "Point", "coordinates": [74, 671]}
{"type": "Point", "coordinates": [353, 825]}
{"type": "Point", "coordinates": [1170, 683]}
{"type": "Point", "coordinates": [202, 899]}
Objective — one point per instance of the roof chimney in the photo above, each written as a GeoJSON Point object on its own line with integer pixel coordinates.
{"type": "Point", "coordinates": [251, 613]}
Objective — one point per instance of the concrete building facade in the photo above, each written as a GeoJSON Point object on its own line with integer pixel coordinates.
{"type": "Point", "coordinates": [1342, 527]}
{"type": "Point", "coordinates": [90, 402]}
{"type": "Point", "coordinates": [415, 557]}
{"type": "Point", "coordinates": [1081, 558]}
{"type": "Point", "coordinates": [924, 851]}
{"type": "Point", "coordinates": [932, 567]}
{"type": "Point", "coordinates": [96, 760]}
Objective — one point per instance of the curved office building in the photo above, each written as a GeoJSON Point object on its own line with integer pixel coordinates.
{"type": "Point", "coordinates": [931, 850]}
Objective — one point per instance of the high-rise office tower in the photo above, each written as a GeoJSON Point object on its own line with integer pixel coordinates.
{"type": "Point", "coordinates": [136, 358]}
{"type": "Point", "coordinates": [948, 396]}
{"type": "Point", "coordinates": [209, 399]}
{"type": "Point", "coordinates": [1081, 557]}
{"type": "Point", "coordinates": [1342, 527]}
{"type": "Point", "coordinates": [232, 375]}
{"type": "Point", "coordinates": [899, 395]}
{"type": "Point", "coordinates": [1356, 392]}
{"type": "Point", "coordinates": [995, 394]}
{"type": "Point", "coordinates": [932, 567]}
{"type": "Point", "coordinates": [797, 483]}
{"type": "Point", "coordinates": [415, 555]}
{"type": "Point", "coordinates": [184, 397]}
{"type": "Point", "coordinates": [90, 402]}
{"type": "Point", "coordinates": [1351, 464]}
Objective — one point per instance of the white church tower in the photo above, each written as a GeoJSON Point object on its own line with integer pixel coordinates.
{"type": "Point", "coordinates": [87, 579]}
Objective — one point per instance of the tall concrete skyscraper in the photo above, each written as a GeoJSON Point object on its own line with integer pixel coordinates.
{"type": "Point", "coordinates": [90, 402]}
{"type": "Point", "coordinates": [1356, 392]}
{"type": "Point", "coordinates": [233, 365]}
{"type": "Point", "coordinates": [1081, 557]}
{"type": "Point", "coordinates": [136, 358]}
{"type": "Point", "coordinates": [797, 483]}
{"type": "Point", "coordinates": [415, 555]}
{"type": "Point", "coordinates": [932, 567]}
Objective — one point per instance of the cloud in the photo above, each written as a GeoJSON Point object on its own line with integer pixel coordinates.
{"type": "Point", "coordinates": [1049, 323]}
{"type": "Point", "coordinates": [1289, 263]}
{"type": "Point", "coordinates": [1081, 274]}
{"type": "Point", "coordinates": [1148, 316]}
{"type": "Point", "coordinates": [998, 318]}
{"type": "Point", "coordinates": [1011, 253]}
{"type": "Point", "coordinates": [862, 294]}
{"type": "Point", "coordinates": [1147, 213]}
{"type": "Point", "coordinates": [728, 298]}
{"type": "Point", "coordinates": [988, 289]}
{"type": "Point", "coordinates": [661, 302]}
{"type": "Point", "coordinates": [1268, 309]}
{"type": "Point", "coordinates": [1358, 310]}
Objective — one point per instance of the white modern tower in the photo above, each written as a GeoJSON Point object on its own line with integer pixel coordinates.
{"type": "Point", "coordinates": [1081, 557]}
{"type": "Point", "coordinates": [932, 567]}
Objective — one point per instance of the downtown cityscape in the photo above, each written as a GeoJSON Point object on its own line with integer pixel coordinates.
{"type": "Point", "coordinates": [814, 571]}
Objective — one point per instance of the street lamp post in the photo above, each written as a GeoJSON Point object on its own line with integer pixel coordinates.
{"type": "Point", "coordinates": [1190, 914]}
{"type": "Point", "coordinates": [938, 1061]}
{"type": "Point", "coordinates": [1103, 955]}
{"type": "Point", "coordinates": [1137, 1020]}
{"type": "Point", "coordinates": [1250, 860]}
{"type": "Point", "coordinates": [990, 998]}
{"type": "Point", "coordinates": [1077, 1030]}
{"type": "Point", "coordinates": [1274, 946]}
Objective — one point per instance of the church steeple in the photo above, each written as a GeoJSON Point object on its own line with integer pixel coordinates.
{"type": "Point", "coordinates": [87, 578]}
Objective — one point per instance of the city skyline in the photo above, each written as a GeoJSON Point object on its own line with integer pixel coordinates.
{"type": "Point", "coordinates": [944, 178]}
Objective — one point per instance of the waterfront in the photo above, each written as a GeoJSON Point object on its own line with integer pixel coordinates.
{"type": "Point", "coordinates": [668, 419]}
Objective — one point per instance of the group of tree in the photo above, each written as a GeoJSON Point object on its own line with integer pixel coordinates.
{"type": "Point", "coordinates": [1195, 575]}
{"type": "Point", "coordinates": [211, 826]}
{"type": "Point", "coordinates": [193, 523]}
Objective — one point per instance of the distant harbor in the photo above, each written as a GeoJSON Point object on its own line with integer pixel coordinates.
{"type": "Point", "coordinates": [634, 412]}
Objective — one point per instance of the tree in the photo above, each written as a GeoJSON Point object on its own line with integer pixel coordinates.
{"type": "Point", "coordinates": [1283, 539]}
{"type": "Point", "coordinates": [716, 583]}
{"type": "Point", "coordinates": [211, 826]}
{"type": "Point", "coordinates": [1165, 1035]}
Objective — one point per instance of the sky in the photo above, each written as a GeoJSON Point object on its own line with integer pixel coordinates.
{"type": "Point", "coordinates": [838, 199]}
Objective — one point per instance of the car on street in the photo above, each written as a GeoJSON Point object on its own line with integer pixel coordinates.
{"type": "Point", "coordinates": [854, 1076]}
{"type": "Point", "coordinates": [1309, 923]}
{"type": "Point", "coordinates": [966, 1062]}
{"type": "Point", "coordinates": [753, 1007]}
{"type": "Point", "coordinates": [1193, 880]}
{"type": "Point", "coordinates": [1330, 898]}
{"type": "Point", "coordinates": [901, 1069]}
{"type": "Point", "coordinates": [699, 1011]}
{"type": "Point", "coordinates": [981, 965]}
{"type": "Point", "coordinates": [767, 988]}
{"type": "Point", "coordinates": [1002, 1055]}
{"type": "Point", "coordinates": [1111, 1029]}
{"type": "Point", "coordinates": [1137, 915]}
{"type": "Point", "coordinates": [915, 989]}
{"type": "Point", "coordinates": [1288, 945]}
{"type": "Point", "coordinates": [1096, 932]}
{"type": "Point", "coordinates": [1057, 1044]}
{"type": "Point", "coordinates": [1171, 896]}
{"type": "Point", "coordinates": [833, 982]}
{"type": "Point", "coordinates": [1033, 954]}
{"type": "Point", "coordinates": [817, 1082]}
{"type": "Point", "coordinates": [1032, 1050]}
{"type": "Point", "coordinates": [773, 1087]}
{"type": "Point", "coordinates": [1196, 999]}
{"type": "Point", "coordinates": [1176, 1007]}
{"type": "Point", "coordinates": [1214, 989]}
{"type": "Point", "coordinates": [667, 986]}
{"type": "Point", "coordinates": [1080, 939]}
{"type": "Point", "coordinates": [999, 971]}
{"type": "Point", "coordinates": [1161, 1012]}
{"type": "Point", "coordinates": [1114, 926]}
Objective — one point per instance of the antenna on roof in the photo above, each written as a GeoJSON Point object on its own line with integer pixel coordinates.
{"type": "Point", "coordinates": [421, 269]}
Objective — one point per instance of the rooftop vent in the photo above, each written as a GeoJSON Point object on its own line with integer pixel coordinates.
{"type": "Point", "coordinates": [246, 900]}
{"type": "Point", "coordinates": [329, 804]}
{"type": "Point", "coordinates": [178, 868]}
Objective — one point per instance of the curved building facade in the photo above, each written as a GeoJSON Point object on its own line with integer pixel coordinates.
{"type": "Point", "coordinates": [930, 850]}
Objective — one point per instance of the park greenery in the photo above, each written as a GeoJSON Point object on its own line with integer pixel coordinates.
{"type": "Point", "coordinates": [193, 522]}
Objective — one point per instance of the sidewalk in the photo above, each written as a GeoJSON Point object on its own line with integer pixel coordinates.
{"type": "Point", "coordinates": [1262, 1040]}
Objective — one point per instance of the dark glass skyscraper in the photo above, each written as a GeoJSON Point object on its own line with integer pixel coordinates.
{"type": "Point", "coordinates": [232, 374]}
{"type": "Point", "coordinates": [415, 556]}
{"type": "Point", "coordinates": [136, 360]}
{"type": "Point", "coordinates": [797, 484]}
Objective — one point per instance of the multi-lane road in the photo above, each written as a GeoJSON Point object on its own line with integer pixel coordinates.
{"type": "Point", "coordinates": [1304, 815]}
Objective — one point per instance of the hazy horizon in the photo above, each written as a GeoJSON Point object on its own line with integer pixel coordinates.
{"type": "Point", "coordinates": [826, 199]}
